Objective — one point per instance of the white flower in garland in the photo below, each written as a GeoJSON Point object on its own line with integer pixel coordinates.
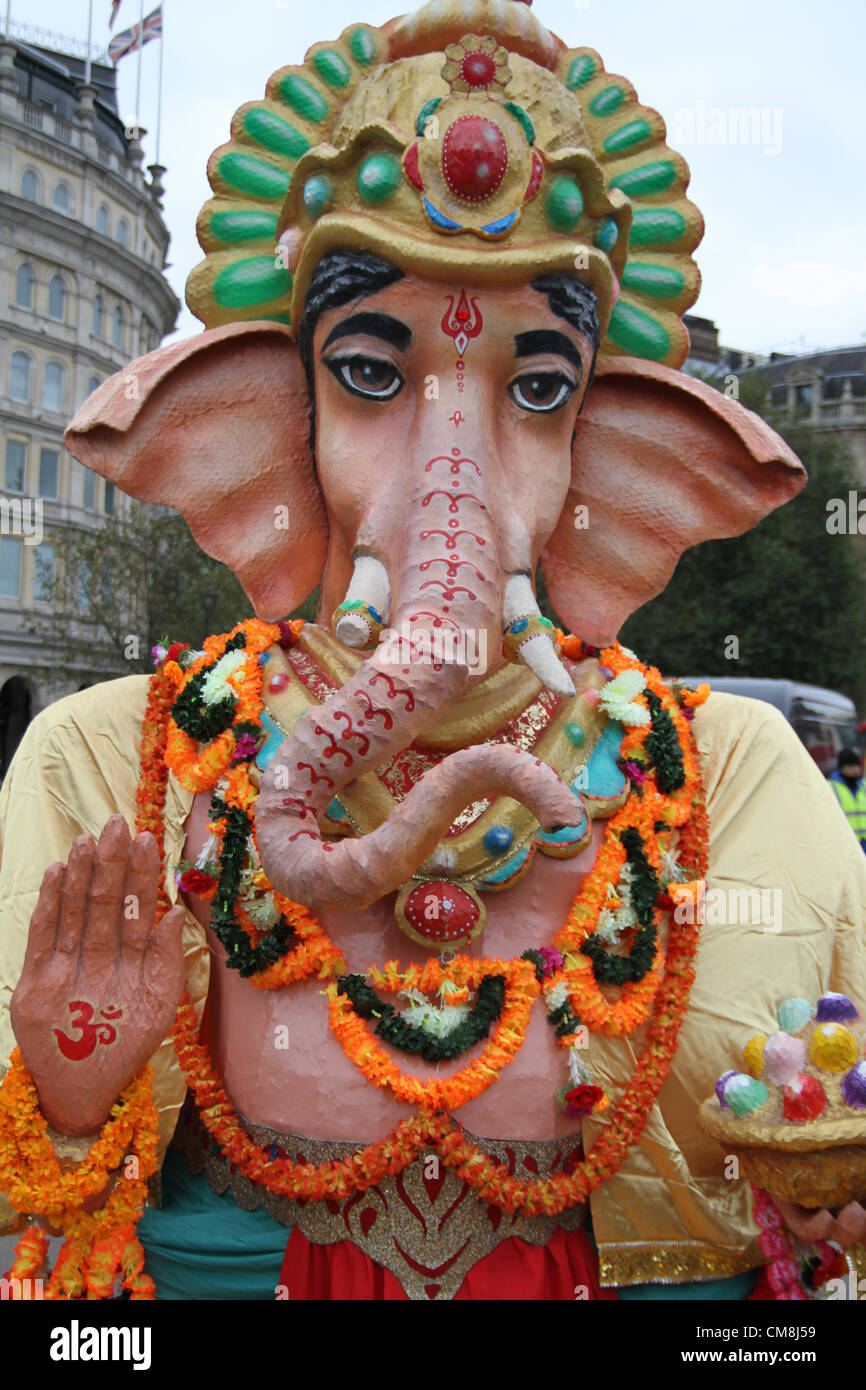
{"type": "Point", "coordinates": [578, 1071]}
{"type": "Point", "coordinates": [215, 687]}
{"type": "Point", "coordinates": [261, 909]}
{"type": "Point", "coordinates": [672, 870]}
{"type": "Point", "coordinates": [257, 900]}
{"type": "Point", "coordinates": [555, 996]}
{"type": "Point", "coordinates": [618, 698]}
{"type": "Point", "coordinates": [437, 1020]}
{"type": "Point", "coordinates": [614, 922]}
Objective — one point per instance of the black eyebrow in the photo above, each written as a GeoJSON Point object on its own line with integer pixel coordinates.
{"type": "Point", "coordinates": [376, 326]}
{"type": "Point", "coordinates": [547, 340]}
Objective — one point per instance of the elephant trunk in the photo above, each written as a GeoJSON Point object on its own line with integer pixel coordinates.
{"type": "Point", "coordinates": [449, 592]}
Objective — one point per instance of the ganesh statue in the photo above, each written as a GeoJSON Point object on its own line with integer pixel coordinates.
{"type": "Point", "coordinates": [391, 955]}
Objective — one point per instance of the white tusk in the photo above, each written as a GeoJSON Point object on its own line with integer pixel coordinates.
{"type": "Point", "coordinates": [540, 656]}
{"type": "Point", "coordinates": [369, 583]}
{"type": "Point", "coordinates": [539, 653]}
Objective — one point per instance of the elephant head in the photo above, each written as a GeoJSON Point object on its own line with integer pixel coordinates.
{"type": "Point", "coordinates": [427, 483]}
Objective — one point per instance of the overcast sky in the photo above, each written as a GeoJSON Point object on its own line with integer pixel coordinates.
{"type": "Point", "coordinates": [784, 255]}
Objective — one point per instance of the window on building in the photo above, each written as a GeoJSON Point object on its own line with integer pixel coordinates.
{"type": "Point", "coordinates": [10, 567]}
{"type": "Point", "coordinates": [49, 473]}
{"type": "Point", "coordinates": [98, 316]}
{"type": "Point", "coordinates": [102, 219]}
{"type": "Point", "coordinates": [16, 465]}
{"type": "Point", "coordinates": [89, 490]}
{"type": "Point", "coordinates": [19, 377]}
{"type": "Point", "coordinates": [57, 298]}
{"type": "Point", "coordinates": [84, 587]}
{"type": "Point", "coordinates": [62, 201]}
{"type": "Point", "coordinates": [30, 185]}
{"type": "Point", "coordinates": [123, 232]}
{"type": "Point", "coordinates": [108, 505]}
{"type": "Point", "coordinates": [45, 570]}
{"type": "Point", "coordinates": [52, 386]}
{"type": "Point", "coordinates": [92, 385]}
{"type": "Point", "coordinates": [118, 327]}
{"type": "Point", "coordinates": [24, 287]}
{"type": "Point", "coordinates": [779, 396]}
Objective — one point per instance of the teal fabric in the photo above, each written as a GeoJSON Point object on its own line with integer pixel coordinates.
{"type": "Point", "coordinates": [732, 1290]}
{"type": "Point", "coordinates": [201, 1246]}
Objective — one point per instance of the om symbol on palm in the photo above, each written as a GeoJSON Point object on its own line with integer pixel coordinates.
{"type": "Point", "coordinates": [77, 1049]}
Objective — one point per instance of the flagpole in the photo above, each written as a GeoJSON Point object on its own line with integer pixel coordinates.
{"type": "Point", "coordinates": [6, 26]}
{"type": "Point", "coordinates": [138, 82]}
{"type": "Point", "coordinates": [159, 93]}
{"type": "Point", "coordinates": [89, 38]}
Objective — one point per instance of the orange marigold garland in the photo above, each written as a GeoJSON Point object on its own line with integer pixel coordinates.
{"type": "Point", "coordinates": [445, 1093]}
{"type": "Point", "coordinates": [101, 1245]}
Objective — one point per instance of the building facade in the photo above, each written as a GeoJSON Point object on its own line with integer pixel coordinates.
{"type": "Point", "coordinates": [82, 292]}
{"type": "Point", "coordinates": [825, 390]}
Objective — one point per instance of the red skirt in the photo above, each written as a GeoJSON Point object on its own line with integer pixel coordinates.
{"type": "Point", "coordinates": [565, 1269]}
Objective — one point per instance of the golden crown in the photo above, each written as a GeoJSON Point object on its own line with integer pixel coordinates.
{"type": "Point", "coordinates": [464, 142]}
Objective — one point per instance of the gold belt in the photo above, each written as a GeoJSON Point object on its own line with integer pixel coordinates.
{"type": "Point", "coordinates": [425, 1225]}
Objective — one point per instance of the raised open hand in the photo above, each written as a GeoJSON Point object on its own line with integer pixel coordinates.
{"type": "Point", "coordinates": [100, 987]}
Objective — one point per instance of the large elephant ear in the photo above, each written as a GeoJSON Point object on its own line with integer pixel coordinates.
{"type": "Point", "coordinates": [218, 427]}
{"type": "Point", "coordinates": [660, 462]}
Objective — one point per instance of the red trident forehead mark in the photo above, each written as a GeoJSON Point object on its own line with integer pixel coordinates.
{"type": "Point", "coordinates": [462, 323]}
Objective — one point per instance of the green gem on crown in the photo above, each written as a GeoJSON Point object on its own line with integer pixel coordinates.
{"type": "Point", "coordinates": [607, 235]}
{"type": "Point", "coordinates": [563, 205]}
{"type": "Point", "coordinates": [379, 177]}
{"type": "Point", "coordinates": [318, 194]}
{"type": "Point", "coordinates": [424, 115]}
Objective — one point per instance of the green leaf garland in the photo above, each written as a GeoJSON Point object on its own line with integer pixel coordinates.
{"type": "Point", "coordinates": [391, 1028]}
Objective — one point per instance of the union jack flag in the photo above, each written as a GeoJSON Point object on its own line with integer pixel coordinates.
{"type": "Point", "coordinates": [115, 6]}
{"type": "Point", "coordinates": [131, 39]}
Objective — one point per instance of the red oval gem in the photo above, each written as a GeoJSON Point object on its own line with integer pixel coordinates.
{"type": "Point", "coordinates": [278, 683]}
{"type": "Point", "coordinates": [410, 166]}
{"type": "Point", "coordinates": [474, 158]}
{"type": "Point", "coordinates": [441, 912]}
{"type": "Point", "coordinates": [535, 178]}
{"type": "Point", "coordinates": [478, 69]}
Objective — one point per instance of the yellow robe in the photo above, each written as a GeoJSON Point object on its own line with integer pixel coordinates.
{"type": "Point", "coordinates": [669, 1214]}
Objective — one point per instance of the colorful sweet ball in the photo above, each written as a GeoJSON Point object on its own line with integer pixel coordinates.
{"type": "Point", "coordinates": [784, 1056]}
{"type": "Point", "coordinates": [794, 1014]}
{"type": "Point", "coordinates": [720, 1087]}
{"type": "Point", "coordinates": [836, 1008]}
{"type": "Point", "coordinates": [753, 1054]}
{"type": "Point", "coordinates": [803, 1098]}
{"type": "Point", "coordinates": [744, 1094]}
{"type": "Point", "coordinates": [854, 1087]}
{"type": "Point", "coordinates": [834, 1047]}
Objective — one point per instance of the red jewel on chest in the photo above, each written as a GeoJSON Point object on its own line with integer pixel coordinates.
{"type": "Point", "coordinates": [474, 158]}
{"type": "Point", "coordinates": [278, 683]}
{"type": "Point", "coordinates": [441, 912]}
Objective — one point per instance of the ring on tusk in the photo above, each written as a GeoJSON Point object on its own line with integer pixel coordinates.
{"type": "Point", "coordinates": [357, 624]}
{"type": "Point", "coordinates": [522, 630]}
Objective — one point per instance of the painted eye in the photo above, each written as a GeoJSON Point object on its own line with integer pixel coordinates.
{"type": "Point", "coordinates": [366, 376]}
{"type": "Point", "coordinates": [542, 392]}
